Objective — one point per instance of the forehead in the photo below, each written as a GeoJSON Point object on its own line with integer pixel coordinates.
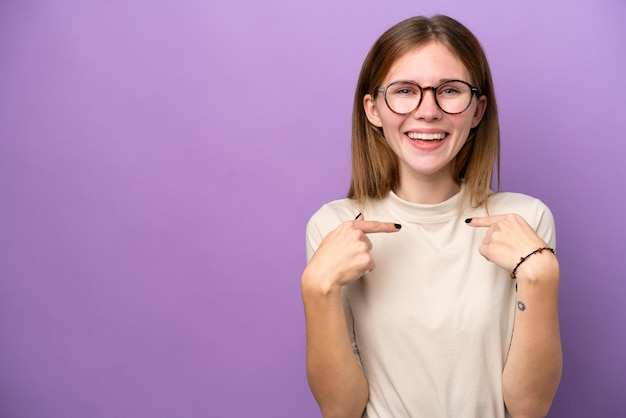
{"type": "Point", "coordinates": [427, 65]}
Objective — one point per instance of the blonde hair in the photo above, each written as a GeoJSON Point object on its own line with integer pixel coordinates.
{"type": "Point", "coordinates": [374, 164]}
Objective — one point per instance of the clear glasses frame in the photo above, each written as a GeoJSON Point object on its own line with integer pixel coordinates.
{"type": "Point", "coordinates": [473, 91]}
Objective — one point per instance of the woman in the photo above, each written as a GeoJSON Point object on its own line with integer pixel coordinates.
{"type": "Point", "coordinates": [409, 300]}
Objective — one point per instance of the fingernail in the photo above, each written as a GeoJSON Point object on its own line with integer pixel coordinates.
{"type": "Point", "coordinates": [468, 220]}
{"type": "Point", "coordinates": [398, 226]}
{"type": "Point", "coordinates": [357, 216]}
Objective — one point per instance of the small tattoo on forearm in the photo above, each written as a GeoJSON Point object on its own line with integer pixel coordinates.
{"type": "Point", "coordinates": [521, 306]}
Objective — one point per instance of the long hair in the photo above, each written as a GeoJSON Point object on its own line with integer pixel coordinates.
{"type": "Point", "coordinates": [374, 164]}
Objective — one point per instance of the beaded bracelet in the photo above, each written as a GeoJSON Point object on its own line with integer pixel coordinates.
{"type": "Point", "coordinates": [522, 259]}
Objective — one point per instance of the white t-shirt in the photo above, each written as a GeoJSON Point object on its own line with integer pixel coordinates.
{"type": "Point", "coordinates": [432, 324]}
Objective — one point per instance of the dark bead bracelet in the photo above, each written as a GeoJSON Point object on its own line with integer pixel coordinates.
{"type": "Point", "coordinates": [522, 259]}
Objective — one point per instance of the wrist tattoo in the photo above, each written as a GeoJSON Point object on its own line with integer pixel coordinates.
{"type": "Point", "coordinates": [521, 306]}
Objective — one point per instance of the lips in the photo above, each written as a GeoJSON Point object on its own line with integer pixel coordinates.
{"type": "Point", "coordinates": [422, 136]}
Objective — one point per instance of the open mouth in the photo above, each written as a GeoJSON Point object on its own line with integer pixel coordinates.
{"type": "Point", "coordinates": [426, 137]}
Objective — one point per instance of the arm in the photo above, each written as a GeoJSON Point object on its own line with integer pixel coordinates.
{"type": "Point", "coordinates": [533, 368]}
{"type": "Point", "coordinates": [335, 377]}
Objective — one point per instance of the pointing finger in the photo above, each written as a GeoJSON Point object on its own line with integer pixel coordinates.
{"type": "Point", "coordinates": [483, 221]}
{"type": "Point", "coordinates": [370, 227]}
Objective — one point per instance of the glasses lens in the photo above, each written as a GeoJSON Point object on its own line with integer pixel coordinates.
{"type": "Point", "coordinates": [403, 97]}
{"type": "Point", "coordinates": [454, 96]}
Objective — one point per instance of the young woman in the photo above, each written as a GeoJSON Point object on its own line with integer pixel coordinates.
{"type": "Point", "coordinates": [427, 294]}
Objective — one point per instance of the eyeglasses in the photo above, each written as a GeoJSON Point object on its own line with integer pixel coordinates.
{"type": "Point", "coordinates": [452, 96]}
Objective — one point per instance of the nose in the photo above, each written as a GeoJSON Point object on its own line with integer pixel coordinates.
{"type": "Point", "coordinates": [428, 108]}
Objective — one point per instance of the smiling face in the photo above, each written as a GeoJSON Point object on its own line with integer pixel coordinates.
{"type": "Point", "coordinates": [427, 140]}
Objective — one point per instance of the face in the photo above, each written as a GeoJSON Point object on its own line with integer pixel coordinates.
{"type": "Point", "coordinates": [427, 140]}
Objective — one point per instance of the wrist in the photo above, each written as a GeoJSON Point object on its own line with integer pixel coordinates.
{"type": "Point", "coordinates": [542, 267]}
{"type": "Point", "coordinates": [317, 285]}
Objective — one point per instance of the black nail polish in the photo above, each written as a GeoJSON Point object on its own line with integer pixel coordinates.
{"type": "Point", "coordinates": [398, 226]}
{"type": "Point", "coordinates": [357, 216]}
{"type": "Point", "coordinates": [468, 220]}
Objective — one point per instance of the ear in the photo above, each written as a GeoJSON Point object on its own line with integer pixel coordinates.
{"type": "Point", "coordinates": [480, 111]}
{"type": "Point", "coordinates": [371, 111]}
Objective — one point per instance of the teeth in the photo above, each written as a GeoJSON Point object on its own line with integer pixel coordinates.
{"type": "Point", "coordinates": [426, 137]}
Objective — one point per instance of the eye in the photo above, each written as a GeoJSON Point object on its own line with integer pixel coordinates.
{"type": "Point", "coordinates": [448, 91]}
{"type": "Point", "coordinates": [452, 89]}
{"type": "Point", "coordinates": [403, 90]}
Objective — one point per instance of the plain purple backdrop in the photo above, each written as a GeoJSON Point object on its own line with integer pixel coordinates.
{"type": "Point", "coordinates": [159, 161]}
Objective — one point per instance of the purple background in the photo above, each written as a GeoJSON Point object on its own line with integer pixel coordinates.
{"type": "Point", "coordinates": [159, 161]}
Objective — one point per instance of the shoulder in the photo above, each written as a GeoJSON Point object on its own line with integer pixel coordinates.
{"type": "Point", "coordinates": [533, 210]}
{"type": "Point", "coordinates": [508, 202]}
{"type": "Point", "coordinates": [326, 219]}
{"type": "Point", "coordinates": [331, 214]}
{"type": "Point", "coordinates": [515, 202]}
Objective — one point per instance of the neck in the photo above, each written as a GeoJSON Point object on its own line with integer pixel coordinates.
{"type": "Point", "coordinates": [427, 190]}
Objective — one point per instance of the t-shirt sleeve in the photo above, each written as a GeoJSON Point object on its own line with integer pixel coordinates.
{"type": "Point", "coordinates": [546, 226]}
{"type": "Point", "coordinates": [313, 238]}
{"type": "Point", "coordinates": [326, 219]}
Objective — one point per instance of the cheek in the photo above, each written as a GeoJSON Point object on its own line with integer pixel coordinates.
{"type": "Point", "coordinates": [392, 140]}
{"type": "Point", "coordinates": [391, 122]}
{"type": "Point", "coordinates": [392, 131]}
{"type": "Point", "coordinates": [464, 124]}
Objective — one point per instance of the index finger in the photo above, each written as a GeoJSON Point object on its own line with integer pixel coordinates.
{"type": "Point", "coordinates": [484, 221]}
{"type": "Point", "coordinates": [370, 227]}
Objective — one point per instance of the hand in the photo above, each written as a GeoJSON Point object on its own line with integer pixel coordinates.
{"type": "Point", "coordinates": [344, 254]}
{"type": "Point", "coordinates": [508, 238]}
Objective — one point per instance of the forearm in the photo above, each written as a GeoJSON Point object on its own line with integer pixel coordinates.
{"type": "Point", "coordinates": [533, 369]}
{"type": "Point", "coordinates": [335, 378]}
